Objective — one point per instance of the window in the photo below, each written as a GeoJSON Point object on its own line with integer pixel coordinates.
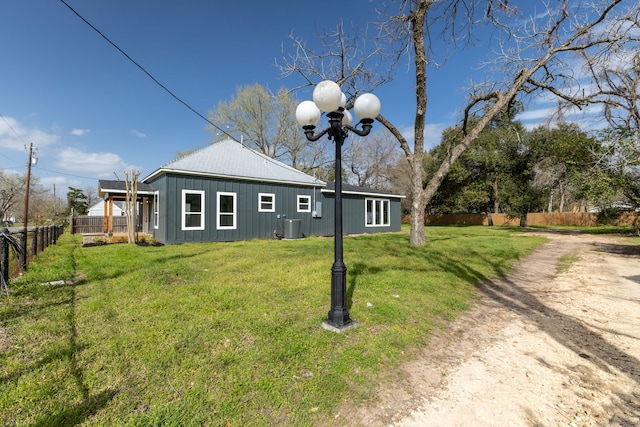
{"type": "Point", "coordinates": [266, 202]}
{"type": "Point", "coordinates": [376, 212]}
{"type": "Point", "coordinates": [304, 203]}
{"type": "Point", "coordinates": [192, 210]}
{"type": "Point", "coordinates": [156, 210]}
{"type": "Point", "coordinates": [226, 218]}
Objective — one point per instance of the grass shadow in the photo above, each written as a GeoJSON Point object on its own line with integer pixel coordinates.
{"type": "Point", "coordinates": [90, 403]}
{"type": "Point", "coordinates": [77, 414]}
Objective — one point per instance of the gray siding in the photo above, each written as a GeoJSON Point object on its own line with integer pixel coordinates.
{"type": "Point", "coordinates": [353, 215]}
{"type": "Point", "coordinates": [250, 223]}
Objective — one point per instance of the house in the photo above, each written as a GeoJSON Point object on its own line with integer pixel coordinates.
{"type": "Point", "coordinates": [227, 191]}
{"type": "Point", "coordinates": [99, 209]}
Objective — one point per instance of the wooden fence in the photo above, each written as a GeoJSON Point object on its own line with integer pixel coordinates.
{"type": "Point", "coordinates": [539, 219]}
{"type": "Point", "coordinates": [95, 224]}
{"type": "Point", "coordinates": [24, 247]}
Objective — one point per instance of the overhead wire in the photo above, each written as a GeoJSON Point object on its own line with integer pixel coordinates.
{"type": "Point", "coordinates": [147, 72]}
{"type": "Point", "coordinates": [63, 173]}
{"type": "Point", "coordinates": [17, 134]}
{"type": "Point", "coordinates": [36, 167]}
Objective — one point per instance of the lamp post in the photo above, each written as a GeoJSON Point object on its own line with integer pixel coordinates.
{"type": "Point", "coordinates": [328, 97]}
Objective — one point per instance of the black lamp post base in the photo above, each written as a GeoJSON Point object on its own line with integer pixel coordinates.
{"type": "Point", "coordinates": [333, 327]}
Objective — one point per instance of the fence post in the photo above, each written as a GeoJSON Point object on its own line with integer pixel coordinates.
{"type": "Point", "coordinates": [40, 239]}
{"type": "Point", "coordinates": [23, 245]}
{"type": "Point", "coordinates": [4, 256]}
{"type": "Point", "coordinates": [34, 242]}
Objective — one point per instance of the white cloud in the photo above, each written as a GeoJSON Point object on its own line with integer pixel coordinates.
{"type": "Point", "coordinates": [60, 182]}
{"type": "Point", "coordinates": [14, 135]}
{"type": "Point", "coordinates": [539, 115]}
{"type": "Point", "coordinates": [138, 133]}
{"type": "Point", "coordinates": [97, 164]}
{"type": "Point", "coordinates": [79, 132]}
{"type": "Point", "coordinates": [589, 118]}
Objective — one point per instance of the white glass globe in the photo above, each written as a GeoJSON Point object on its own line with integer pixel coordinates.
{"type": "Point", "coordinates": [307, 113]}
{"type": "Point", "coordinates": [347, 119]}
{"type": "Point", "coordinates": [343, 101]}
{"type": "Point", "coordinates": [327, 96]}
{"type": "Point", "coordinates": [367, 106]}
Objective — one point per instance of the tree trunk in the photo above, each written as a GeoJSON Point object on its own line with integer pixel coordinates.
{"type": "Point", "coordinates": [496, 201]}
{"type": "Point", "coordinates": [130, 205]}
{"type": "Point", "coordinates": [417, 237]}
{"type": "Point", "coordinates": [523, 220]}
{"type": "Point", "coordinates": [418, 207]}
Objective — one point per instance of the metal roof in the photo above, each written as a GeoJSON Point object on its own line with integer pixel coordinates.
{"type": "Point", "coordinates": [230, 159]}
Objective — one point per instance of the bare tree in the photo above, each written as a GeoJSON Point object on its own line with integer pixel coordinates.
{"type": "Point", "coordinates": [131, 186]}
{"type": "Point", "coordinates": [92, 195]}
{"type": "Point", "coordinates": [355, 61]}
{"type": "Point", "coordinates": [370, 160]}
{"type": "Point", "coordinates": [615, 84]}
{"type": "Point", "coordinates": [12, 188]}
{"type": "Point", "coordinates": [266, 122]}
{"type": "Point", "coordinates": [531, 55]}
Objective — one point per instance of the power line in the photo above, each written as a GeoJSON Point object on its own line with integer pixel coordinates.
{"type": "Point", "coordinates": [12, 129]}
{"type": "Point", "coordinates": [63, 173]}
{"type": "Point", "coordinates": [146, 72]}
{"type": "Point", "coordinates": [17, 134]}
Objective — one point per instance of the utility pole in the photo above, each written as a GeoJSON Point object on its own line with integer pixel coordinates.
{"type": "Point", "coordinates": [26, 209]}
{"type": "Point", "coordinates": [26, 197]}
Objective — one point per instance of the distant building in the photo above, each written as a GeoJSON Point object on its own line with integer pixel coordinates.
{"type": "Point", "coordinates": [98, 209]}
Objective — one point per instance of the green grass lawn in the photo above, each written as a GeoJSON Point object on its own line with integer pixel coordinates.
{"type": "Point", "coordinates": [228, 334]}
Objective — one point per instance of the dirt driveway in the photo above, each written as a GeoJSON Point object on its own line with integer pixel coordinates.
{"type": "Point", "coordinates": [546, 346]}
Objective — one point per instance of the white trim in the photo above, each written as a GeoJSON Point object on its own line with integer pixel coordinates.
{"type": "Point", "coordinates": [156, 210]}
{"type": "Point", "coordinates": [225, 176]}
{"type": "Point", "coordinates": [272, 202]}
{"type": "Point", "coordinates": [377, 204]}
{"type": "Point", "coordinates": [308, 202]}
{"type": "Point", "coordinates": [184, 211]}
{"type": "Point", "coordinates": [234, 214]}
{"type": "Point", "coordinates": [364, 193]}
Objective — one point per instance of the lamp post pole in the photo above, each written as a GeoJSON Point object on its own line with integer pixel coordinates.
{"type": "Point", "coordinates": [339, 314]}
{"type": "Point", "coordinates": [329, 98]}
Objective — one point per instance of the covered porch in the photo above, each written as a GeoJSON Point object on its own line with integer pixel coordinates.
{"type": "Point", "coordinates": [110, 191]}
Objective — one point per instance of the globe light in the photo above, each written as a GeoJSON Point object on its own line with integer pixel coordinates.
{"type": "Point", "coordinates": [347, 118]}
{"type": "Point", "coordinates": [327, 96]}
{"type": "Point", "coordinates": [367, 106]}
{"type": "Point", "coordinates": [307, 113]}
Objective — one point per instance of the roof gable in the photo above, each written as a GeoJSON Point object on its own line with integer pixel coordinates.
{"type": "Point", "coordinates": [231, 159]}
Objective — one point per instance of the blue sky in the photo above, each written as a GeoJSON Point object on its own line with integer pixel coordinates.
{"type": "Point", "coordinates": [90, 112]}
